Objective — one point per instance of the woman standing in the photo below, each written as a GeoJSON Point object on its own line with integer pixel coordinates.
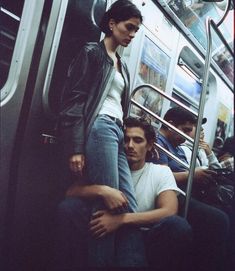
{"type": "Point", "coordinates": [95, 101]}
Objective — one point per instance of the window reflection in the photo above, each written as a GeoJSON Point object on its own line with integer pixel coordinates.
{"type": "Point", "coordinates": [193, 15]}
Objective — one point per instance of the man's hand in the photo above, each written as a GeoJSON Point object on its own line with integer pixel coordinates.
{"type": "Point", "coordinates": [205, 146]}
{"type": "Point", "coordinates": [114, 199]}
{"type": "Point", "coordinates": [76, 163]}
{"type": "Point", "coordinates": [204, 175]}
{"type": "Point", "coordinates": [103, 223]}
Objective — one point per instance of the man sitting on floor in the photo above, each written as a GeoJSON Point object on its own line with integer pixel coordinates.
{"type": "Point", "coordinates": [166, 235]}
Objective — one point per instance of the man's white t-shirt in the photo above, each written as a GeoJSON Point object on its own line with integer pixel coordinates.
{"type": "Point", "coordinates": [149, 182]}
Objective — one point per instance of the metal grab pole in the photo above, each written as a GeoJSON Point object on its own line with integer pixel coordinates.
{"type": "Point", "coordinates": [200, 116]}
{"type": "Point", "coordinates": [225, 13]}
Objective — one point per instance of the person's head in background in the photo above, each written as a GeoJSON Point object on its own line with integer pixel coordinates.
{"type": "Point", "coordinates": [182, 120]}
{"type": "Point", "coordinates": [121, 22]}
{"type": "Point", "coordinates": [192, 134]}
{"type": "Point", "coordinates": [227, 150]}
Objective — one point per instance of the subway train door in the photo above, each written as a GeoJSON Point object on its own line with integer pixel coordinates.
{"type": "Point", "coordinates": [43, 37]}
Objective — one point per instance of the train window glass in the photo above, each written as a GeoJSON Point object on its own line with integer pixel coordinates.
{"type": "Point", "coordinates": [187, 84]}
{"type": "Point", "coordinates": [194, 13]}
{"type": "Point", "coordinates": [150, 100]}
{"type": "Point", "coordinates": [10, 14]}
{"type": "Point", "coordinates": [153, 69]}
{"type": "Point", "coordinates": [222, 56]}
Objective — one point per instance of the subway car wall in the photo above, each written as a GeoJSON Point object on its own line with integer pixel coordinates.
{"type": "Point", "coordinates": [35, 182]}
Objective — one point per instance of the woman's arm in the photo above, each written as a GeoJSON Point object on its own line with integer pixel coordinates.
{"type": "Point", "coordinates": [74, 100]}
{"type": "Point", "coordinates": [113, 199]}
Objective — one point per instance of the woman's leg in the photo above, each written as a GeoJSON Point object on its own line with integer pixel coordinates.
{"type": "Point", "coordinates": [105, 158]}
{"type": "Point", "coordinates": [107, 165]}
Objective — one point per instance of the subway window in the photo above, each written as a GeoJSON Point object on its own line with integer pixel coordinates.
{"type": "Point", "coordinates": [10, 15]}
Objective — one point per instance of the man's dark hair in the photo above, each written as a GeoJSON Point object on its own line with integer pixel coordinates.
{"type": "Point", "coordinates": [121, 10]}
{"type": "Point", "coordinates": [148, 129]}
{"type": "Point", "coordinates": [179, 116]}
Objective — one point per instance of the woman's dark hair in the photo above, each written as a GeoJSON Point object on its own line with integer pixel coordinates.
{"type": "Point", "coordinates": [121, 10]}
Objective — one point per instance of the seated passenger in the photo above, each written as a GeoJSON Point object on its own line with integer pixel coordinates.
{"type": "Point", "coordinates": [205, 157]}
{"type": "Point", "coordinates": [226, 154]}
{"type": "Point", "coordinates": [210, 225]}
{"type": "Point", "coordinates": [167, 236]}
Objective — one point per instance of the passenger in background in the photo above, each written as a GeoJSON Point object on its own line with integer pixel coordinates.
{"type": "Point", "coordinates": [205, 157]}
{"type": "Point", "coordinates": [226, 158]}
{"type": "Point", "coordinates": [226, 154]}
{"type": "Point", "coordinates": [210, 225]}
{"type": "Point", "coordinates": [167, 236]}
{"type": "Point", "coordinates": [95, 100]}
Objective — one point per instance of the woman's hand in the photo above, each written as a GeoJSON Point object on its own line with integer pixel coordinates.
{"type": "Point", "coordinates": [76, 163]}
{"type": "Point", "coordinates": [103, 223]}
{"type": "Point", "coordinates": [114, 199]}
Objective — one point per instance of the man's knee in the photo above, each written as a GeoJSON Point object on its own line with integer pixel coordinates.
{"type": "Point", "coordinates": [175, 228]}
{"type": "Point", "coordinates": [178, 228]}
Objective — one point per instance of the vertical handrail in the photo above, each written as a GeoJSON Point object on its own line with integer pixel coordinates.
{"type": "Point", "coordinates": [200, 115]}
{"type": "Point", "coordinates": [225, 13]}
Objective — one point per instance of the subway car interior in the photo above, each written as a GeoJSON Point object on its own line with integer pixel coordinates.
{"type": "Point", "coordinates": [168, 64]}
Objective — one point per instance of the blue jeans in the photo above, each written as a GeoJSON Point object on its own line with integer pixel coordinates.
{"type": "Point", "coordinates": [72, 237]}
{"type": "Point", "coordinates": [106, 159]}
{"type": "Point", "coordinates": [168, 244]}
{"type": "Point", "coordinates": [210, 229]}
{"type": "Point", "coordinates": [107, 165]}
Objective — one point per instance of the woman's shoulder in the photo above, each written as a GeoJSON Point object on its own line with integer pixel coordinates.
{"type": "Point", "coordinates": [91, 47]}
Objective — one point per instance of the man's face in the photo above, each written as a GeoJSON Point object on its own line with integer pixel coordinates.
{"type": "Point", "coordinates": [136, 146]}
{"type": "Point", "coordinates": [186, 128]}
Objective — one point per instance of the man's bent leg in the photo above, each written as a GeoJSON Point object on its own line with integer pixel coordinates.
{"type": "Point", "coordinates": [168, 244]}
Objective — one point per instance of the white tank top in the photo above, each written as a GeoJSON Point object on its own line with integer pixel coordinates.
{"type": "Point", "coordinates": [112, 104]}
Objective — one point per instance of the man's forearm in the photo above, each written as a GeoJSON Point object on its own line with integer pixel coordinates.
{"type": "Point", "coordinates": [181, 177]}
{"type": "Point", "coordinates": [86, 191]}
{"type": "Point", "coordinates": [146, 218]}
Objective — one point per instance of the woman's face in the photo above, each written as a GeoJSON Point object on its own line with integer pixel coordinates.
{"type": "Point", "coordinates": [124, 31]}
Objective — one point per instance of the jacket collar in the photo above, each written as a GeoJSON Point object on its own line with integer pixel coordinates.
{"type": "Point", "coordinates": [108, 57]}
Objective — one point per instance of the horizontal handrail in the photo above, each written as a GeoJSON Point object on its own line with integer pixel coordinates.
{"type": "Point", "coordinates": [164, 95]}
{"type": "Point", "coordinates": [172, 156]}
{"type": "Point", "coordinates": [162, 120]}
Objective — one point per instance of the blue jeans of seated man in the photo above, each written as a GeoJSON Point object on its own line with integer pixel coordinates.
{"type": "Point", "coordinates": [168, 244]}
{"type": "Point", "coordinates": [71, 248]}
{"type": "Point", "coordinates": [107, 165]}
{"type": "Point", "coordinates": [210, 229]}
